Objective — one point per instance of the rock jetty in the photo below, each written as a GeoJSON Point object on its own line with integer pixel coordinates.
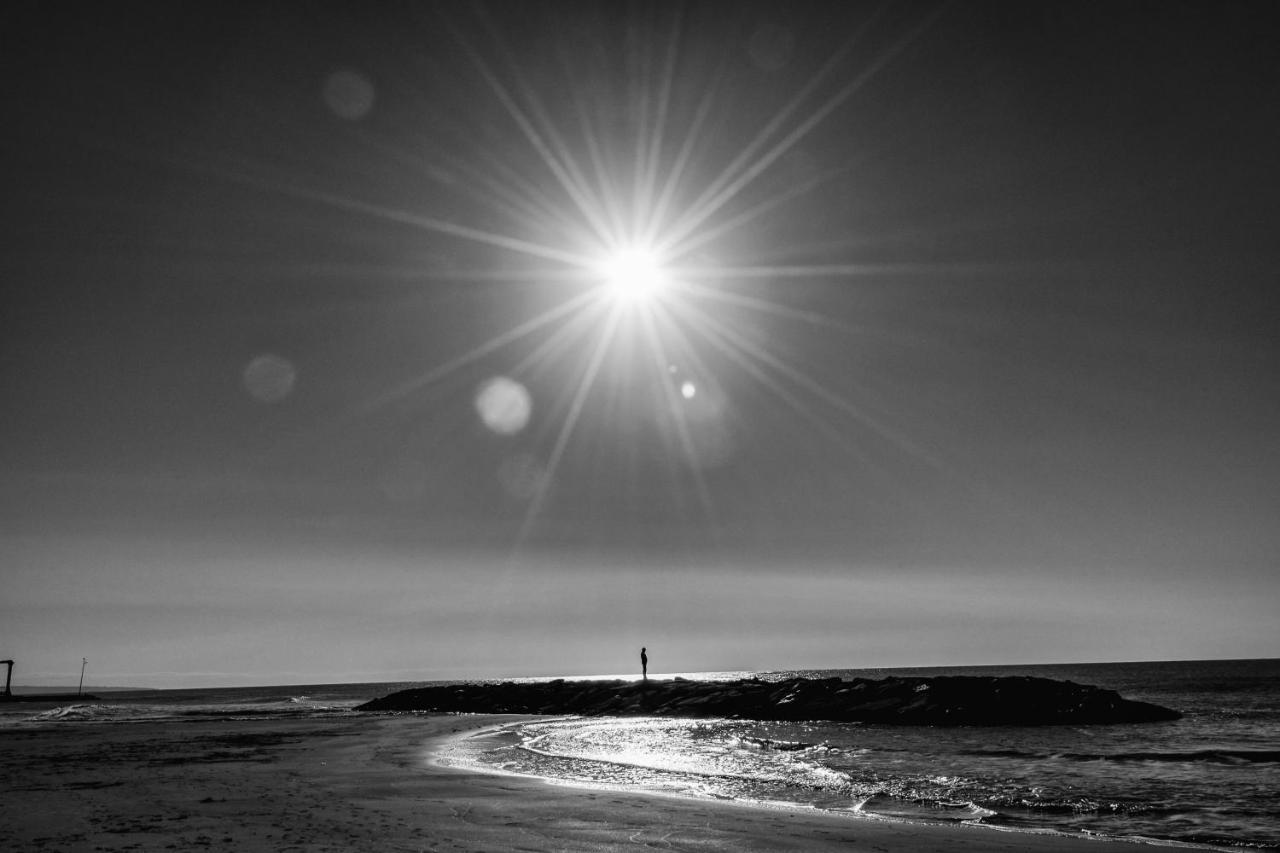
{"type": "Point", "coordinates": [919, 701]}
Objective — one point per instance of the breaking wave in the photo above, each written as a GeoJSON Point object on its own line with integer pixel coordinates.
{"type": "Point", "coordinates": [134, 713]}
{"type": "Point", "coordinates": [1005, 779]}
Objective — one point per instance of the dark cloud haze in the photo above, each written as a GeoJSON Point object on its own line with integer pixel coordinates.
{"type": "Point", "coordinates": [968, 355]}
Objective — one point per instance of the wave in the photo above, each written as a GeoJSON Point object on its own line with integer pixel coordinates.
{"type": "Point", "coordinates": [829, 768]}
{"type": "Point", "coordinates": [73, 712]}
{"type": "Point", "coordinates": [137, 713]}
{"type": "Point", "coordinates": [774, 745]}
{"type": "Point", "coordinates": [886, 805]}
{"type": "Point", "coordinates": [1194, 756]}
{"type": "Point", "coordinates": [814, 777]}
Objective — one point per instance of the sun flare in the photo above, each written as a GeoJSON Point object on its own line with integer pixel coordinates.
{"type": "Point", "coordinates": [633, 275]}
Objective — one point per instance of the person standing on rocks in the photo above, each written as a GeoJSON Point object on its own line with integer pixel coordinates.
{"type": "Point", "coordinates": [644, 664]}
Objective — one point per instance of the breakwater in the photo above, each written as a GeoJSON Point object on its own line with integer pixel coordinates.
{"type": "Point", "coordinates": [941, 700]}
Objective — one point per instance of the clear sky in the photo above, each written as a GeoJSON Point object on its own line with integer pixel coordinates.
{"type": "Point", "coordinates": [952, 338]}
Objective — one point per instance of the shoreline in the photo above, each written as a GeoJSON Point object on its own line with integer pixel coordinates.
{"type": "Point", "coordinates": [905, 834]}
{"type": "Point", "coordinates": [356, 783]}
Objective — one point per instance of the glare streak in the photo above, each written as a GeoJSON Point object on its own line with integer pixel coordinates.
{"type": "Point", "coordinates": [639, 97]}
{"type": "Point", "coordinates": [568, 334]}
{"type": "Point", "coordinates": [773, 308]}
{"type": "Point", "coordinates": [570, 421]}
{"type": "Point", "coordinates": [661, 360]}
{"type": "Point", "coordinates": [602, 168]}
{"type": "Point", "coordinates": [825, 270]}
{"type": "Point", "coordinates": [683, 157]}
{"type": "Point", "coordinates": [594, 208]}
{"type": "Point", "coordinates": [452, 229]}
{"type": "Point", "coordinates": [740, 353]}
{"type": "Point", "coordinates": [562, 166]}
{"type": "Point", "coordinates": [707, 235]}
{"type": "Point", "coordinates": [426, 223]}
{"type": "Point", "coordinates": [416, 273]}
{"type": "Point", "coordinates": [479, 275]}
{"type": "Point", "coordinates": [832, 399]}
{"type": "Point", "coordinates": [523, 198]}
{"type": "Point", "coordinates": [701, 210]}
{"type": "Point", "coordinates": [492, 345]}
{"type": "Point", "coordinates": [480, 184]}
{"type": "Point", "coordinates": [650, 172]}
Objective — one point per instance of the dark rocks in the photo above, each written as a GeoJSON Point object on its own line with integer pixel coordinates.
{"type": "Point", "coordinates": [942, 700]}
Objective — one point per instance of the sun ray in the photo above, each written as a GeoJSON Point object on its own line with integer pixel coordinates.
{"type": "Point", "coordinates": [694, 214]}
{"type": "Point", "coordinates": [802, 380]}
{"type": "Point", "coordinates": [684, 156]}
{"type": "Point", "coordinates": [741, 355]}
{"type": "Point", "coordinates": [573, 330]}
{"type": "Point", "coordinates": [492, 345]}
{"type": "Point", "coordinates": [829, 270]}
{"type": "Point", "coordinates": [602, 170]}
{"type": "Point", "coordinates": [638, 99]}
{"type": "Point", "coordinates": [593, 209]}
{"type": "Point", "coordinates": [725, 189]}
{"type": "Point", "coordinates": [512, 195]}
{"type": "Point", "coordinates": [512, 276]}
{"type": "Point", "coordinates": [774, 308]}
{"type": "Point", "coordinates": [586, 382]}
{"type": "Point", "coordinates": [511, 191]}
{"type": "Point", "coordinates": [661, 361]}
{"type": "Point", "coordinates": [403, 217]}
{"type": "Point", "coordinates": [648, 186]}
{"type": "Point", "coordinates": [708, 235]}
{"type": "Point", "coordinates": [560, 162]}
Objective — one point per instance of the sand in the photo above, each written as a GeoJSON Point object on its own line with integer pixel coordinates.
{"type": "Point", "coordinates": [365, 783]}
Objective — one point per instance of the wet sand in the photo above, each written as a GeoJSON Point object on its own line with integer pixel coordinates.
{"type": "Point", "coordinates": [366, 784]}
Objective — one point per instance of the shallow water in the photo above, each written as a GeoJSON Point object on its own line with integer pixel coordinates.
{"type": "Point", "coordinates": [1208, 779]}
{"type": "Point", "coordinates": [231, 703]}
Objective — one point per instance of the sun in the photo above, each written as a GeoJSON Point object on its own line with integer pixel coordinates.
{"type": "Point", "coordinates": [633, 275]}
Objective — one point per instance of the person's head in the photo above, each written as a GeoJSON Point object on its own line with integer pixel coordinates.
{"type": "Point", "coordinates": [642, 649]}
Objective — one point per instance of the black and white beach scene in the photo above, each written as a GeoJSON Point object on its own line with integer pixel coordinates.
{"type": "Point", "coordinates": [701, 426]}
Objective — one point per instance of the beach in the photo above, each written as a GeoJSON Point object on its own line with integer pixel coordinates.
{"type": "Point", "coordinates": [368, 783]}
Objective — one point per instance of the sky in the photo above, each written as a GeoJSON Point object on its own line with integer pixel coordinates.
{"type": "Point", "coordinates": [475, 340]}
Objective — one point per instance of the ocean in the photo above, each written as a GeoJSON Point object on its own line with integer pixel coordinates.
{"type": "Point", "coordinates": [1211, 779]}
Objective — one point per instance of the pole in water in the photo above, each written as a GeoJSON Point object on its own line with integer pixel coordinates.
{"type": "Point", "coordinates": [83, 663]}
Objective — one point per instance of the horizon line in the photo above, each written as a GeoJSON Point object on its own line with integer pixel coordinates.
{"type": "Point", "coordinates": [64, 681]}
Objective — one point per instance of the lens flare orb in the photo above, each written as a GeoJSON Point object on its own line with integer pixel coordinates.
{"type": "Point", "coordinates": [504, 405]}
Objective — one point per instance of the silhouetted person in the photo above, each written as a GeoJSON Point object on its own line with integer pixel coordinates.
{"type": "Point", "coordinates": [644, 664]}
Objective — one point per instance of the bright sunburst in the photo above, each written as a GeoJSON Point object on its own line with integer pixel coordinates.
{"type": "Point", "coordinates": [633, 275]}
{"type": "Point", "coordinates": [674, 205]}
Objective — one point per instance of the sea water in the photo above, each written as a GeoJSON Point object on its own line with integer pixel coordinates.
{"type": "Point", "coordinates": [1210, 779]}
{"type": "Point", "coordinates": [225, 703]}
